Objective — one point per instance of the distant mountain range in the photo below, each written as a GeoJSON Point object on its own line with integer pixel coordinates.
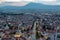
{"type": "Point", "coordinates": [30, 6]}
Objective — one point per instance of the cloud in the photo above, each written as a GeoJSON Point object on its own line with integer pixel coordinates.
{"type": "Point", "coordinates": [24, 2]}
{"type": "Point", "coordinates": [16, 0]}
{"type": "Point", "coordinates": [48, 2]}
{"type": "Point", "coordinates": [14, 3]}
{"type": "Point", "coordinates": [51, 3]}
{"type": "Point", "coordinates": [12, 0]}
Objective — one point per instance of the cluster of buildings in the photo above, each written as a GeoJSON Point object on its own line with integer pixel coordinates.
{"type": "Point", "coordinates": [28, 27]}
{"type": "Point", "coordinates": [16, 27]}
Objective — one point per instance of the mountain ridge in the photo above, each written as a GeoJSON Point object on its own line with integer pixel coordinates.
{"type": "Point", "coordinates": [32, 6]}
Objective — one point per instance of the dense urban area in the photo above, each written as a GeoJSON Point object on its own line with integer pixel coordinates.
{"type": "Point", "coordinates": [26, 26]}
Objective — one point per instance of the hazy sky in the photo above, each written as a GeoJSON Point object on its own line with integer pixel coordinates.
{"type": "Point", "coordinates": [28, 0]}
{"type": "Point", "coordinates": [23, 2]}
